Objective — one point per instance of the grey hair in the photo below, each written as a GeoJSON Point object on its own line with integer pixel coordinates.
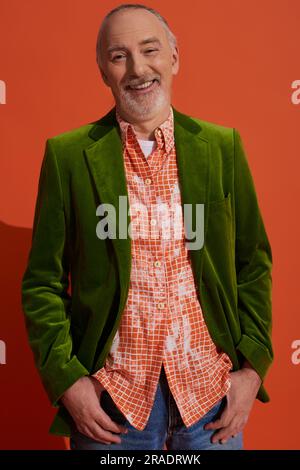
{"type": "Point", "coordinates": [124, 6]}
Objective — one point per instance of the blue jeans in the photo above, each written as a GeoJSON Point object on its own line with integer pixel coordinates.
{"type": "Point", "coordinates": [164, 426]}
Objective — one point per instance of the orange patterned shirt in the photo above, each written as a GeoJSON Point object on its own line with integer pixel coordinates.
{"type": "Point", "coordinates": [162, 321]}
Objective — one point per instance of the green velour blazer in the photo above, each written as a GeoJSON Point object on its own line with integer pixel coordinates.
{"type": "Point", "coordinates": [75, 284]}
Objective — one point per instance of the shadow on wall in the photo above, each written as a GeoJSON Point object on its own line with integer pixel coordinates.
{"type": "Point", "coordinates": [26, 413]}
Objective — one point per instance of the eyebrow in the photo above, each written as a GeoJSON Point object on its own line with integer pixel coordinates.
{"type": "Point", "coordinates": [118, 47]}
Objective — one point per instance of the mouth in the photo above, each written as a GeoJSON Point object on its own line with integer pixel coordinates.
{"type": "Point", "coordinates": [143, 87]}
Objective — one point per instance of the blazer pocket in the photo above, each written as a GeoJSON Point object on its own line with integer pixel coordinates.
{"type": "Point", "coordinates": [220, 217]}
{"type": "Point", "coordinates": [220, 238]}
{"type": "Point", "coordinates": [220, 202]}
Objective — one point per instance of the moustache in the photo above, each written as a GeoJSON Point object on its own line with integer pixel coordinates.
{"type": "Point", "coordinates": [140, 82]}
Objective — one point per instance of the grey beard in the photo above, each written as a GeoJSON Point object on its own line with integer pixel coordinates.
{"type": "Point", "coordinates": [143, 105]}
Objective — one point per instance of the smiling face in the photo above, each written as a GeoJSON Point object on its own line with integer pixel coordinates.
{"type": "Point", "coordinates": [138, 64]}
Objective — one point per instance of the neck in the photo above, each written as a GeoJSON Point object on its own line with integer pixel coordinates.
{"type": "Point", "coordinates": [145, 128]}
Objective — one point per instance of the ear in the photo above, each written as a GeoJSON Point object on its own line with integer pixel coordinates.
{"type": "Point", "coordinates": [175, 60]}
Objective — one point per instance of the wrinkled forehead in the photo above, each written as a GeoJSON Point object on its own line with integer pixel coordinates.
{"type": "Point", "coordinates": [132, 27]}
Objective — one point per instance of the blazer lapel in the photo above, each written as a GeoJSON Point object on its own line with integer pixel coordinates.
{"type": "Point", "coordinates": [105, 161]}
{"type": "Point", "coordinates": [192, 152]}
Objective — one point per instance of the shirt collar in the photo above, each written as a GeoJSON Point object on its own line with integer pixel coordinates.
{"type": "Point", "coordinates": [164, 133]}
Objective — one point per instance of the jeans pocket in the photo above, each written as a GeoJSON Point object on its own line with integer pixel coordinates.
{"type": "Point", "coordinates": [215, 412]}
{"type": "Point", "coordinates": [109, 407]}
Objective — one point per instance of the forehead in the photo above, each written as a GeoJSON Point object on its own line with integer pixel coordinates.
{"type": "Point", "coordinates": [132, 26]}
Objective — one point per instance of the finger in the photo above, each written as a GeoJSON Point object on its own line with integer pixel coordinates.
{"type": "Point", "coordinates": [224, 434]}
{"type": "Point", "coordinates": [236, 425]}
{"type": "Point", "coordinates": [219, 423]}
{"type": "Point", "coordinates": [223, 421]}
{"type": "Point", "coordinates": [224, 440]}
{"type": "Point", "coordinates": [221, 436]}
{"type": "Point", "coordinates": [101, 435]}
{"type": "Point", "coordinates": [105, 421]}
{"type": "Point", "coordinates": [91, 434]}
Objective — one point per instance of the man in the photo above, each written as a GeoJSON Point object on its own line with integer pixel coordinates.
{"type": "Point", "coordinates": [160, 339]}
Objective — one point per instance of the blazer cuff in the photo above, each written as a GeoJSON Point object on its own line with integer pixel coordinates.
{"type": "Point", "coordinates": [60, 380]}
{"type": "Point", "coordinates": [258, 355]}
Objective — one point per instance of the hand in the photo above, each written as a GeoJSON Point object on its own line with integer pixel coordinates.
{"type": "Point", "coordinates": [240, 399]}
{"type": "Point", "coordinates": [82, 400]}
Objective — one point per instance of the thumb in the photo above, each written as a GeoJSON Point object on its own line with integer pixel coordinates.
{"type": "Point", "coordinates": [222, 421]}
{"type": "Point", "coordinates": [98, 387]}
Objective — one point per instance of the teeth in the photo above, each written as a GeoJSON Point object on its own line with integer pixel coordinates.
{"type": "Point", "coordinates": [144, 85]}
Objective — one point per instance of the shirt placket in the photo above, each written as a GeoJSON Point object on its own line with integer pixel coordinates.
{"type": "Point", "coordinates": [147, 170]}
{"type": "Point", "coordinates": [158, 263]}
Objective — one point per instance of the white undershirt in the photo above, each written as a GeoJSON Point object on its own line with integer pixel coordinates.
{"type": "Point", "coordinates": [147, 146]}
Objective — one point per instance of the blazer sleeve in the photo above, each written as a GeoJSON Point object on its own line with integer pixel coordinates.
{"type": "Point", "coordinates": [253, 267]}
{"type": "Point", "coordinates": [45, 297]}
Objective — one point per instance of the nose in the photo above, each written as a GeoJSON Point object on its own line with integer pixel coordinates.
{"type": "Point", "coordinates": [136, 66]}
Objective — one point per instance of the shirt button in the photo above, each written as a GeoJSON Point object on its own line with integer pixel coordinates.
{"type": "Point", "coordinates": [153, 221]}
{"type": "Point", "coordinates": [148, 181]}
{"type": "Point", "coordinates": [157, 264]}
{"type": "Point", "coordinates": [161, 305]}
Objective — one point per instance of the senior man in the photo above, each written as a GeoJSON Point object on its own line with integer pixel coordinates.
{"type": "Point", "coordinates": [159, 340]}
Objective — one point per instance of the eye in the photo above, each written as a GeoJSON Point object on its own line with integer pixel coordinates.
{"type": "Point", "coordinates": [151, 50]}
{"type": "Point", "coordinates": [117, 57]}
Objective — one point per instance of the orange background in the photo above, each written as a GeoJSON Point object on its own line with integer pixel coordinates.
{"type": "Point", "coordinates": [238, 62]}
